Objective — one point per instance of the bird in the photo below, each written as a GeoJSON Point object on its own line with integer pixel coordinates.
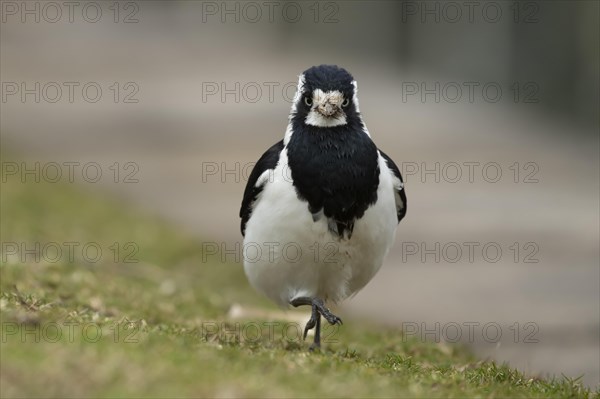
{"type": "Point", "coordinates": [321, 206]}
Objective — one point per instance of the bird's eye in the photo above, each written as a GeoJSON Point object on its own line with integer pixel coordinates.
{"type": "Point", "coordinates": [308, 101]}
{"type": "Point", "coordinates": [345, 103]}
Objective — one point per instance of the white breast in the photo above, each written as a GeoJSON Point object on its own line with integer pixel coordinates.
{"type": "Point", "coordinates": [288, 255]}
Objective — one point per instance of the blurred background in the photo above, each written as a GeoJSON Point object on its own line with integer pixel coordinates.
{"type": "Point", "coordinates": [490, 109]}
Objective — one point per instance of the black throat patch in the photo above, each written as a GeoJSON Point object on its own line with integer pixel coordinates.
{"type": "Point", "coordinates": [335, 170]}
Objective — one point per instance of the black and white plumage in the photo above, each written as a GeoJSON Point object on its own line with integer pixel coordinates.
{"type": "Point", "coordinates": [321, 207]}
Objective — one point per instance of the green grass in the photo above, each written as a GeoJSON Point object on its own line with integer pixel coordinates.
{"type": "Point", "coordinates": [159, 327]}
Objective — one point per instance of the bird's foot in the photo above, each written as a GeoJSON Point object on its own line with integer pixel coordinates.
{"type": "Point", "coordinates": [326, 313]}
{"type": "Point", "coordinates": [318, 310]}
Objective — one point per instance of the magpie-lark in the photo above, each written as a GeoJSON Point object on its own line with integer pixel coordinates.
{"type": "Point", "coordinates": [321, 206]}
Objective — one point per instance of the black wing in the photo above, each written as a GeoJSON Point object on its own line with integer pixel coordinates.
{"type": "Point", "coordinates": [268, 161]}
{"type": "Point", "coordinates": [399, 192]}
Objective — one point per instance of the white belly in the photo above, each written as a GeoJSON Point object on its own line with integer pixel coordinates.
{"type": "Point", "coordinates": [288, 255]}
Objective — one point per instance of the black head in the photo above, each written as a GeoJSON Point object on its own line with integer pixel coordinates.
{"type": "Point", "coordinates": [328, 77]}
{"type": "Point", "coordinates": [326, 97]}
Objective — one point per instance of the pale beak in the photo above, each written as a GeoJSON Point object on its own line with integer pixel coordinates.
{"type": "Point", "coordinates": [327, 108]}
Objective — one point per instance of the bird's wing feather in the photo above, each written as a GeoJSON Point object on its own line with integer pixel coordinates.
{"type": "Point", "coordinates": [399, 193]}
{"type": "Point", "coordinates": [267, 162]}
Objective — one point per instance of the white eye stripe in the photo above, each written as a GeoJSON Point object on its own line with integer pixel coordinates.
{"type": "Point", "coordinates": [298, 94]}
{"type": "Point", "coordinates": [355, 96]}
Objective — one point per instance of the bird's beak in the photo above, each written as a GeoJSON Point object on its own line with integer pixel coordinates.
{"type": "Point", "coordinates": [328, 109]}
{"type": "Point", "coordinates": [329, 104]}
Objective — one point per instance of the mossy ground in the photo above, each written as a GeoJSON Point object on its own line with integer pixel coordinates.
{"type": "Point", "coordinates": [150, 318]}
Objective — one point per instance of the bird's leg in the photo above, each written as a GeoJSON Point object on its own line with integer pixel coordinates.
{"type": "Point", "coordinates": [317, 341]}
{"type": "Point", "coordinates": [318, 310]}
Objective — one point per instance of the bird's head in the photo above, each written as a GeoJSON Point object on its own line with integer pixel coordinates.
{"type": "Point", "coordinates": [326, 97]}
